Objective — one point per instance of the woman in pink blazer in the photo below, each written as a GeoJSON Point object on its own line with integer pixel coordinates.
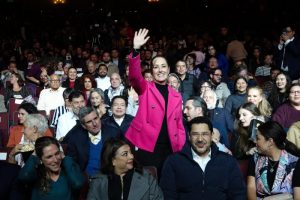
{"type": "Point", "coordinates": [157, 130]}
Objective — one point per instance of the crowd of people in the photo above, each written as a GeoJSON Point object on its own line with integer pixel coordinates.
{"type": "Point", "coordinates": [190, 108]}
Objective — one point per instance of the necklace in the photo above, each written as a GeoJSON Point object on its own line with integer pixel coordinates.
{"type": "Point", "coordinates": [272, 166]}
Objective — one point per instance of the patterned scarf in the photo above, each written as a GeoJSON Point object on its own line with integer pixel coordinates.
{"type": "Point", "coordinates": [283, 178]}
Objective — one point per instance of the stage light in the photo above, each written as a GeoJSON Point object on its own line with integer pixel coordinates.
{"type": "Point", "coordinates": [59, 1]}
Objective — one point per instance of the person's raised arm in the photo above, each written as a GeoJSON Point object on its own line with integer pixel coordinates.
{"type": "Point", "coordinates": [135, 73]}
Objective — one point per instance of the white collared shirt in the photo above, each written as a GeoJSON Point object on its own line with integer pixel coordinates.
{"type": "Point", "coordinates": [50, 99]}
{"type": "Point", "coordinates": [119, 120]}
{"type": "Point", "coordinates": [202, 161]}
{"type": "Point", "coordinates": [65, 123]}
{"type": "Point", "coordinates": [95, 139]}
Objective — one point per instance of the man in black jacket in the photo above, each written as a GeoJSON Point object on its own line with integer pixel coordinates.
{"type": "Point", "coordinates": [200, 170]}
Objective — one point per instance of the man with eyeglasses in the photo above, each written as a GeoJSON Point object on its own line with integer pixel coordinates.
{"type": "Point", "coordinates": [219, 87]}
{"type": "Point", "coordinates": [200, 170]}
{"type": "Point", "coordinates": [52, 97]}
{"type": "Point", "coordinates": [288, 57]}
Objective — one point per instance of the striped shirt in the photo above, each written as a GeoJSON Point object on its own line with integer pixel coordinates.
{"type": "Point", "coordinates": [59, 111]}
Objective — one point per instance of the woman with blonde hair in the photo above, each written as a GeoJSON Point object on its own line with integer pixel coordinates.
{"type": "Point", "coordinates": [256, 95]}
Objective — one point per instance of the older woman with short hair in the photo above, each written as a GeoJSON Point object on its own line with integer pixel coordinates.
{"type": "Point", "coordinates": [35, 126]}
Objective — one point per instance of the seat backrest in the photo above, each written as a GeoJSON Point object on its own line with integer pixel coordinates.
{"type": "Point", "coordinates": [13, 106]}
{"type": "Point", "coordinates": [4, 130]}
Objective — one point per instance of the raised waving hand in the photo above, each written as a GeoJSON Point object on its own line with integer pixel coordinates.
{"type": "Point", "coordinates": [140, 38]}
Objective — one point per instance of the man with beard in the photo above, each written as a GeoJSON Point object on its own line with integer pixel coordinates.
{"type": "Point", "coordinates": [200, 170]}
{"type": "Point", "coordinates": [112, 68]}
{"type": "Point", "coordinates": [68, 120]}
{"type": "Point", "coordinates": [220, 117]}
{"type": "Point", "coordinates": [220, 87]}
{"type": "Point", "coordinates": [103, 81]}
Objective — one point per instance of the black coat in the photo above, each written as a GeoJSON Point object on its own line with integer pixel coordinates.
{"type": "Point", "coordinates": [112, 127]}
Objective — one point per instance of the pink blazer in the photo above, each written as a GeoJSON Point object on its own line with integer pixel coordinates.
{"type": "Point", "coordinates": [144, 129]}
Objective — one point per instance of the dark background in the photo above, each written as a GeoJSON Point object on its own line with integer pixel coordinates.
{"type": "Point", "coordinates": [260, 16]}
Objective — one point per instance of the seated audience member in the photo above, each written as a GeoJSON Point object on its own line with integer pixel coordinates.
{"type": "Point", "coordinates": [131, 95]}
{"type": "Point", "coordinates": [270, 172]}
{"type": "Point", "coordinates": [88, 83]}
{"type": "Point", "coordinates": [220, 117]}
{"type": "Point", "coordinates": [60, 110]}
{"type": "Point", "coordinates": [189, 83]}
{"type": "Point", "coordinates": [53, 175]}
{"type": "Point", "coordinates": [52, 97]}
{"type": "Point", "coordinates": [237, 99]}
{"type": "Point", "coordinates": [241, 71]}
{"type": "Point", "coordinates": [68, 120]}
{"type": "Point", "coordinates": [265, 70]}
{"type": "Point", "coordinates": [17, 89]}
{"type": "Point", "coordinates": [289, 112]}
{"type": "Point", "coordinates": [112, 68]}
{"type": "Point", "coordinates": [10, 187]}
{"type": "Point", "coordinates": [2, 105]}
{"type": "Point", "coordinates": [216, 136]}
{"type": "Point", "coordinates": [11, 68]}
{"type": "Point", "coordinates": [91, 69]}
{"type": "Point", "coordinates": [192, 68]}
{"type": "Point", "coordinates": [96, 100]}
{"type": "Point", "coordinates": [279, 93]}
{"type": "Point", "coordinates": [103, 81]}
{"type": "Point", "coordinates": [120, 177]}
{"type": "Point", "coordinates": [35, 126]}
{"type": "Point", "coordinates": [222, 61]}
{"type": "Point", "coordinates": [270, 84]}
{"type": "Point", "coordinates": [147, 74]}
{"type": "Point", "coordinates": [119, 122]}
{"type": "Point", "coordinates": [293, 134]}
{"type": "Point", "coordinates": [174, 81]}
{"type": "Point", "coordinates": [115, 89]}
{"type": "Point", "coordinates": [242, 145]}
{"type": "Point", "coordinates": [204, 86]}
{"type": "Point", "coordinates": [72, 81]}
{"type": "Point", "coordinates": [44, 81]}
{"type": "Point", "coordinates": [199, 170]}
{"type": "Point", "coordinates": [16, 132]}
{"type": "Point", "coordinates": [220, 88]}
{"type": "Point", "coordinates": [256, 96]}
{"type": "Point", "coordinates": [85, 141]}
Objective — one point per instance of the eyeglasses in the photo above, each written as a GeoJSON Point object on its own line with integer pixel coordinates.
{"type": "Point", "coordinates": [55, 81]}
{"type": "Point", "coordinates": [295, 92]}
{"type": "Point", "coordinates": [218, 75]}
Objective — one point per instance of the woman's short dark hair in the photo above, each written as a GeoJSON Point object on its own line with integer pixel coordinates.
{"type": "Point", "coordinates": [40, 144]}
{"type": "Point", "coordinates": [28, 107]}
{"type": "Point", "coordinates": [274, 130]}
{"type": "Point", "coordinates": [238, 78]}
{"type": "Point", "coordinates": [110, 148]}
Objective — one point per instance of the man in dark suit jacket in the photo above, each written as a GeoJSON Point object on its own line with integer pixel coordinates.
{"type": "Point", "coordinates": [288, 58]}
{"type": "Point", "coordinates": [119, 122]}
{"type": "Point", "coordinates": [10, 188]}
{"type": "Point", "coordinates": [85, 140]}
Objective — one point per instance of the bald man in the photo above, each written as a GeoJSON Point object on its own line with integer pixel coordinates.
{"type": "Point", "coordinates": [52, 97]}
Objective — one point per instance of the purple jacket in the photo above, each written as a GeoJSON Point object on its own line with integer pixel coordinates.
{"type": "Point", "coordinates": [145, 127]}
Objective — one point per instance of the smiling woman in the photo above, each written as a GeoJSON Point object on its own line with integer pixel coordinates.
{"type": "Point", "coordinates": [56, 176]}
{"type": "Point", "coordinates": [120, 177]}
{"type": "Point", "coordinates": [157, 129]}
